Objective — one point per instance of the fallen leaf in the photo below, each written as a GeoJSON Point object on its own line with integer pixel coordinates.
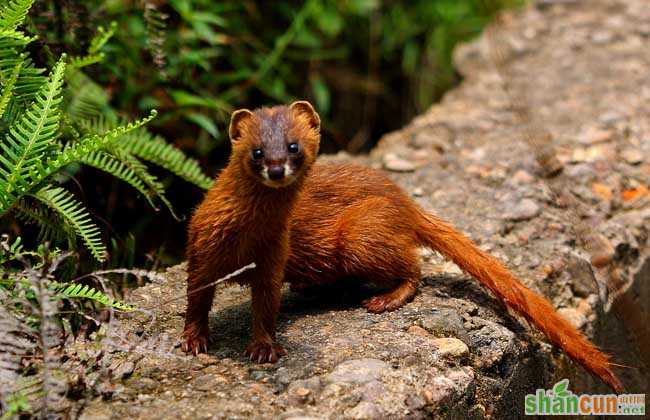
{"type": "Point", "coordinates": [636, 193]}
{"type": "Point", "coordinates": [602, 191]}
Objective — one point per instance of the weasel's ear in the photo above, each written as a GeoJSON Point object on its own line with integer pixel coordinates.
{"type": "Point", "coordinates": [305, 108]}
{"type": "Point", "coordinates": [234, 130]}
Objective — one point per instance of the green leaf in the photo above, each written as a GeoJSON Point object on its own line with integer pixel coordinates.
{"type": "Point", "coordinates": [13, 12]}
{"type": "Point", "coordinates": [32, 134]}
{"type": "Point", "coordinates": [8, 86]}
{"type": "Point", "coordinates": [321, 94]}
{"type": "Point", "coordinates": [156, 150]}
{"type": "Point", "coordinates": [110, 164]}
{"type": "Point", "coordinates": [79, 62]}
{"type": "Point", "coordinates": [410, 57]}
{"type": "Point", "coordinates": [204, 122]}
{"type": "Point", "coordinates": [80, 291]}
{"type": "Point", "coordinates": [75, 214]}
{"type": "Point", "coordinates": [156, 188]}
{"type": "Point", "coordinates": [101, 38]}
{"type": "Point", "coordinates": [361, 7]}
{"type": "Point", "coordinates": [40, 170]}
{"type": "Point", "coordinates": [51, 226]}
{"type": "Point", "coordinates": [186, 99]}
{"type": "Point", "coordinates": [85, 99]}
{"type": "Point", "coordinates": [329, 21]}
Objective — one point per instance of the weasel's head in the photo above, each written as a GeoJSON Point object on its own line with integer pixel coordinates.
{"type": "Point", "coordinates": [276, 145]}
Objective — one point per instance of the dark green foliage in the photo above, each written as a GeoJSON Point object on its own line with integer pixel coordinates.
{"type": "Point", "coordinates": [46, 127]}
{"type": "Point", "coordinates": [367, 64]}
{"type": "Point", "coordinates": [83, 291]}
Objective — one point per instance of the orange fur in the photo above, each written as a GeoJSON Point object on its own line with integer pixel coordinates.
{"type": "Point", "coordinates": [241, 221]}
{"type": "Point", "coordinates": [338, 222]}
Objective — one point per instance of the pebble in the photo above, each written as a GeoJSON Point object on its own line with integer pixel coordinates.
{"type": "Point", "coordinates": [418, 192]}
{"type": "Point", "coordinates": [143, 384]}
{"type": "Point", "coordinates": [416, 330]}
{"type": "Point", "coordinates": [584, 308]}
{"type": "Point", "coordinates": [602, 37]}
{"type": "Point", "coordinates": [594, 153]}
{"type": "Point", "coordinates": [358, 371]}
{"type": "Point", "coordinates": [524, 210]}
{"type": "Point", "coordinates": [442, 388]}
{"type": "Point", "coordinates": [372, 391]}
{"type": "Point", "coordinates": [449, 267]}
{"type": "Point", "coordinates": [304, 387]}
{"type": "Point", "coordinates": [394, 163]}
{"type": "Point", "coordinates": [602, 191]}
{"type": "Point", "coordinates": [365, 410]}
{"type": "Point", "coordinates": [414, 402]}
{"type": "Point", "coordinates": [436, 137]}
{"type": "Point", "coordinates": [208, 382]}
{"type": "Point", "coordinates": [610, 117]}
{"type": "Point", "coordinates": [522, 177]}
{"type": "Point", "coordinates": [632, 155]}
{"type": "Point", "coordinates": [449, 346]}
{"type": "Point", "coordinates": [576, 318]}
{"type": "Point", "coordinates": [299, 395]}
{"type": "Point", "coordinates": [580, 170]}
{"type": "Point", "coordinates": [595, 135]}
{"type": "Point", "coordinates": [444, 321]}
{"type": "Point", "coordinates": [581, 276]}
{"type": "Point", "coordinates": [303, 418]}
{"type": "Point", "coordinates": [124, 370]}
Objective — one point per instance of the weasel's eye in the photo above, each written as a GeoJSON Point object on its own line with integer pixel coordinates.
{"type": "Point", "coordinates": [293, 148]}
{"type": "Point", "coordinates": [258, 154]}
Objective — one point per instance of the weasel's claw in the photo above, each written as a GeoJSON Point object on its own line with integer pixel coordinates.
{"type": "Point", "coordinates": [264, 352]}
{"type": "Point", "coordinates": [195, 343]}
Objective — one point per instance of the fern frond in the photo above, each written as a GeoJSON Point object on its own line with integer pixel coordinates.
{"type": "Point", "coordinates": [101, 38]}
{"type": "Point", "coordinates": [94, 142]}
{"type": "Point", "coordinates": [8, 86]}
{"type": "Point", "coordinates": [119, 169]}
{"type": "Point", "coordinates": [150, 180]}
{"type": "Point", "coordinates": [73, 152]}
{"type": "Point", "coordinates": [96, 43]}
{"type": "Point", "coordinates": [75, 214]}
{"type": "Point", "coordinates": [51, 227]}
{"type": "Point", "coordinates": [80, 291]}
{"type": "Point", "coordinates": [156, 150]}
{"type": "Point", "coordinates": [29, 81]}
{"type": "Point", "coordinates": [13, 13]}
{"type": "Point", "coordinates": [32, 134]}
{"type": "Point", "coordinates": [79, 62]}
{"type": "Point", "coordinates": [86, 100]}
{"type": "Point", "coordinates": [19, 38]}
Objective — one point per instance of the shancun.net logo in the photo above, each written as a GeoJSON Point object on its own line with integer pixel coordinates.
{"type": "Point", "coordinates": [561, 401]}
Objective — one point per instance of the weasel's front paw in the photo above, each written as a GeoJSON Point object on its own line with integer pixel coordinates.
{"type": "Point", "coordinates": [195, 340]}
{"type": "Point", "coordinates": [264, 351]}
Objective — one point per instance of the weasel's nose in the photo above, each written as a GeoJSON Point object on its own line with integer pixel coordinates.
{"type": "Point", "coordinates": [276, 172]}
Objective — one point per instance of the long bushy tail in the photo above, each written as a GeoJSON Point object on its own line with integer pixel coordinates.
{"type": "Point", "coordinates": [441, 236]}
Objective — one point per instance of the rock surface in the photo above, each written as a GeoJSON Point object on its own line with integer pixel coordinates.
{"type": "Point", "coordinates": [453, 352]}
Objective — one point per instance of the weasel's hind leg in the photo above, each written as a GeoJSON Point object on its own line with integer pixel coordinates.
{"type": "Point", "coordinates": [376, 243]}
{"type": "Point", "coordinates": [405, 271]}
{"type": "Point", "coordinates": [391, 300]}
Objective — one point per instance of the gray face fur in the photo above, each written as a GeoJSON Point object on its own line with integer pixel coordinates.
{"type": "Point", "coordinates": [278, 165]}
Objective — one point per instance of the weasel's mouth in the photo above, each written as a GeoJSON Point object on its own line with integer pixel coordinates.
{"type": "Point", "coordinates": [284, 182]}
{"type": "Point", "coordinates": [288, 177]}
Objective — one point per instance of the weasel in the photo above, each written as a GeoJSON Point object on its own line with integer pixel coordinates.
{"type": "Point", "coordinates": [310, 224]}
